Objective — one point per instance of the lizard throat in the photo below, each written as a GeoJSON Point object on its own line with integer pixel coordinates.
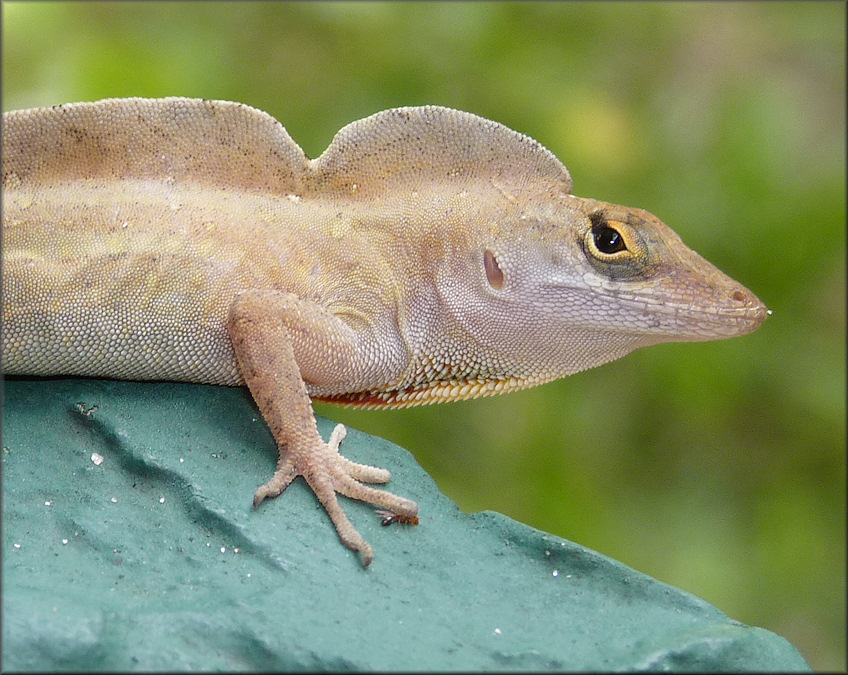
{"type": "Point", "coordinates": [431, 392]}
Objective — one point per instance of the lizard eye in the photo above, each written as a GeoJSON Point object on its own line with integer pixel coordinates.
{"type": "Point", "coordinates": [494, 273]}
{"type": "Point", "coordinates": [615, 247]}
{"type": "Point", "coordinates": [608, 240]}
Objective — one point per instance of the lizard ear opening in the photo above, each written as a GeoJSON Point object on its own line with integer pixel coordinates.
{"type": "Point", "coordinates": [494, 273]}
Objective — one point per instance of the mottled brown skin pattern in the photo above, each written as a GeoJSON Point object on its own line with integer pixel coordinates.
{"type": "Point", "coordinates": [428, 255]}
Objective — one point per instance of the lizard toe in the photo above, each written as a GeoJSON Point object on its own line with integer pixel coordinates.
{"type": "Point", "coordinates": [282, 478]}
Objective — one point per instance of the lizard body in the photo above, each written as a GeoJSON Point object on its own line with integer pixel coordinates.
{"type": "Point", "coordinates": [427, 255]}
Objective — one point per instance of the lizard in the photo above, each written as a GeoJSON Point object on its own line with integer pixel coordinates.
{"type": "Point", "coordinates": [427, 255]}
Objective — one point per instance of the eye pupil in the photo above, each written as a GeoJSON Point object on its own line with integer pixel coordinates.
{"type": "Point", "coordinates": [608, 240]}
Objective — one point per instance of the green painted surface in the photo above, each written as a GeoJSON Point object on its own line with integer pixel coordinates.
{"type": "Point", "coordinates": [154, 559]}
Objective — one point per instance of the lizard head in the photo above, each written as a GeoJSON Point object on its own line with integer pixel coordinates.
{"type": "Point", "coordinates": [572, 283]}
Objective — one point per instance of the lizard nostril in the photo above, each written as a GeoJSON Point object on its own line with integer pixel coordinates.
{"type": "Point", "coordinates": [739, 296]}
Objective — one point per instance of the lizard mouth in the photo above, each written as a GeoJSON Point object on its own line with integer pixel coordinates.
{"type": "Point", "coordinates": [671, 309]}
{"type": "Point", "coordinates": [723, 314]}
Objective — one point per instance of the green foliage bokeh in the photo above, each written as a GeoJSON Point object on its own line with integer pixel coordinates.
{"type": "Point", "coordinates": [716, 467]}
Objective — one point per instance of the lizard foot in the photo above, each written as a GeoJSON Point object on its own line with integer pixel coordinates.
{"type": "Point", "coordinates": [328, 473]}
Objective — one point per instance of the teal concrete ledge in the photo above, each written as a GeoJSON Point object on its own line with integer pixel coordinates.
{"type": "Point", "coordinates": [154, 559]}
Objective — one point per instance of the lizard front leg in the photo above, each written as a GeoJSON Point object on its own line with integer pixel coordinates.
{"type": "Point", "coordinates": [270, 331]}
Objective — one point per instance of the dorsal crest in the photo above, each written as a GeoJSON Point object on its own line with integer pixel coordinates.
{"type": "Point", "coordinates": [233, 146]}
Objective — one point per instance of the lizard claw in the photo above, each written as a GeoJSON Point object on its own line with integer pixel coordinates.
{"type": "Point", "coordinates": [328, 473]}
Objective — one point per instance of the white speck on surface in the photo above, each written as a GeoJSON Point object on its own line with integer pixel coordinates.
{"type": "Point", "coordinates": [497, 631]}
{"type": "Point", "coordinates": [181, 460]}
{"type": "Point", "coordinates": [161, 500]}
{"type": "Point", "coordinates": [48, 503]}
{"type": "Point", "coordinates": [64, 542]}
{"type": "Point", "coordinates": [97, 458]}
{"type": "Point", "coordinates": [114, 500]}
{"type": "Point", "coordinates": [16, 545]}
{"type": "Point", "coordinates": [235, 550]}
{"type": "Point", "coordinates": [556, 573]}
{"type": "Point", "coordinates": [223, 549]}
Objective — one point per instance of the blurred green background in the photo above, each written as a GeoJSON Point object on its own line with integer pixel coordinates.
{"type": "Point", "coordinates": [716, 467]}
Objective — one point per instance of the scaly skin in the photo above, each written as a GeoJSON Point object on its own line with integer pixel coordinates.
{"type": "Point", "coordinates": [428, 255]}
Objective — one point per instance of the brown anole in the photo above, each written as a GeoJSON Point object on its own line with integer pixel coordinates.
{"type": "Point", "coordinates": [427, 255]}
